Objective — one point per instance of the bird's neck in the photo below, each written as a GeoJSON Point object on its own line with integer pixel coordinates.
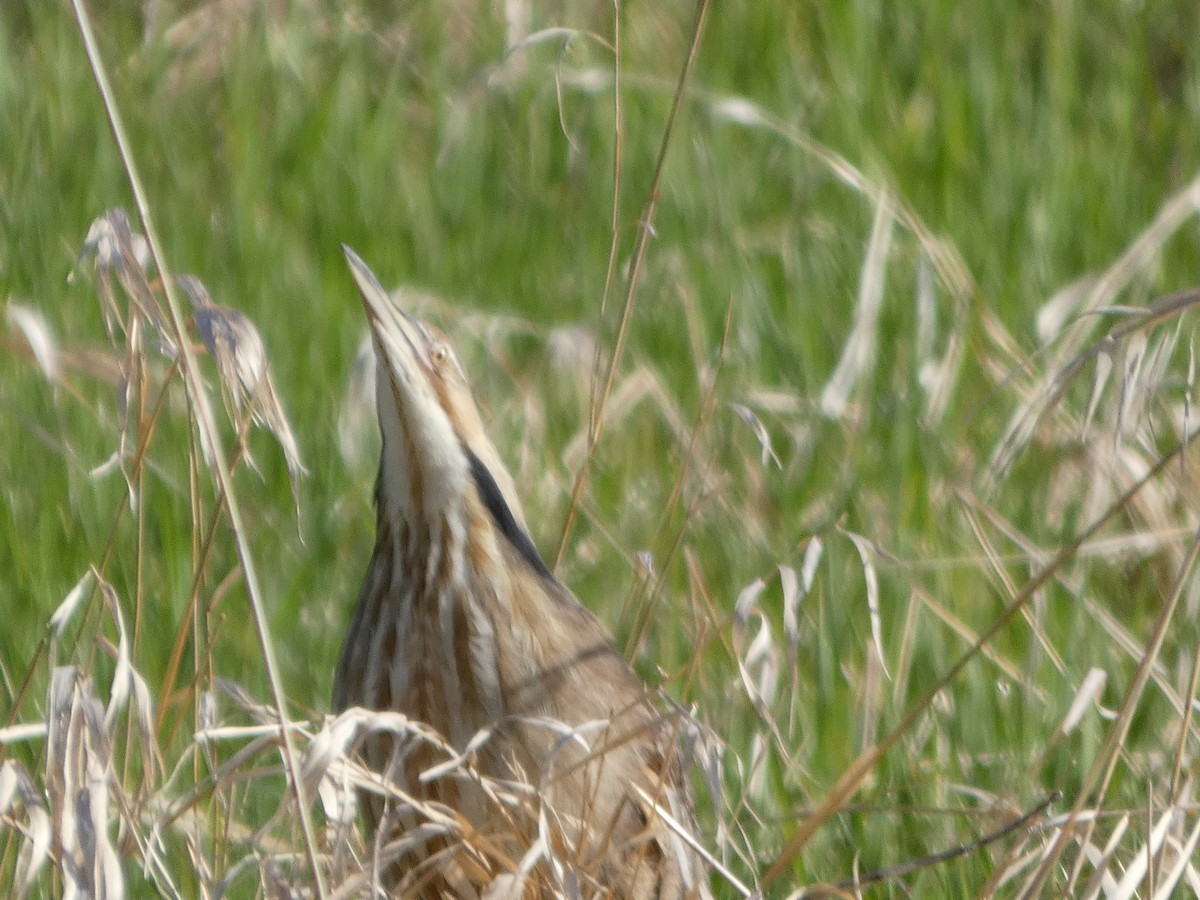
{"type": "Point", "coordinates": [451, 592]}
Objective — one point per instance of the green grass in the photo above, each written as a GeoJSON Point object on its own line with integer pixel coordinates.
{"type": "Point", "coordinates": [1037, 144]}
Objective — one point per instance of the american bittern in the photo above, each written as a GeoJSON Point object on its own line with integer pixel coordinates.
{"type": "Point", "coordinates": [461, 625]}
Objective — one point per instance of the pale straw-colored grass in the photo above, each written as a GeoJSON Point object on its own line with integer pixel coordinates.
{"type": "Point", "coordinates": [195, 785]}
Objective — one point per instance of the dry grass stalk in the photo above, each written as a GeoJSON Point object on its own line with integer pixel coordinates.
{"type": "Point", "coordinates": [79, 779]}
{"type": "Point", "coordinates": [1118, 421]}
{"type": "Point", "coordinates": [233, 341]}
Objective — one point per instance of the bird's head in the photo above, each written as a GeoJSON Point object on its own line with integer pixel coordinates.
{"type": "Point", "coordinates": [436, 453]}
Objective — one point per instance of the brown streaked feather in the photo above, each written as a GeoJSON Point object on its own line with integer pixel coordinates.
{"type": "Point", "coordinates": [460, 625]}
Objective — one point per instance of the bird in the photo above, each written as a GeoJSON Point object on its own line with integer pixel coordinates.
{"type": "Point", "coordinates": [461, 626]}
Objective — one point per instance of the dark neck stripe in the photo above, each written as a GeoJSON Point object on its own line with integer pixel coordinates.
{"type": "Point", "coordinates": [494, 500]}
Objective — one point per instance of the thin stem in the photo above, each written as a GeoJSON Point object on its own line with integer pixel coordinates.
{"type": "Point", "coordinates": [645, 231]}
{"type": "Point", "coordinates": [208, 435]}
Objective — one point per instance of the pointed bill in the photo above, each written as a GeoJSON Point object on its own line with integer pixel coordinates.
{"type": "Point", "coordinates": [387, 320]}
{"type": "Point", "coordinates": [373, 293]}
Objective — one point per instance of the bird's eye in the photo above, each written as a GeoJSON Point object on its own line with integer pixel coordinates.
{"type": "Point", "coordinates": [439, 353]}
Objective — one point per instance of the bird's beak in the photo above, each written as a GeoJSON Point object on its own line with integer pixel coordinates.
{"type": "Point", "coordinates": [389, 322]}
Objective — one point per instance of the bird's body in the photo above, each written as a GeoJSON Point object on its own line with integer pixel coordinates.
{"type": "Point", "coordinates": [461, 626]}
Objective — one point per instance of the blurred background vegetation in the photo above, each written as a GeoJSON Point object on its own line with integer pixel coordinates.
{"type": "Point", "coordinates": [466, 151]}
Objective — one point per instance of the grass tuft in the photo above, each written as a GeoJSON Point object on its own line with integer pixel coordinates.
{"type": "Point", "coordinates": [850, 374]}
